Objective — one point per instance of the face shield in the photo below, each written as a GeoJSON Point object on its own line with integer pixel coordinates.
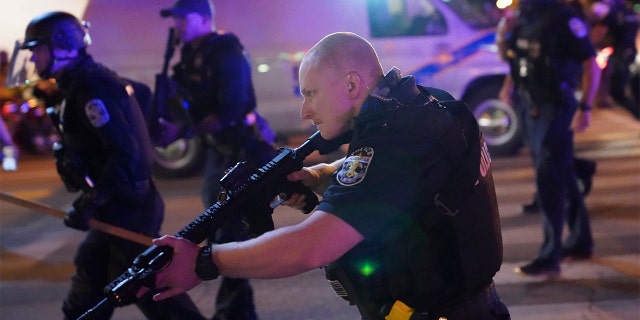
{"type": "Point", "coordinates": [22, 79]}
{"type": "Point", "coordinates": [20, 70]}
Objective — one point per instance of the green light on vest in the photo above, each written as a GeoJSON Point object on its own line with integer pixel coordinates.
{"type": "Point", "coordinates": [366, 268]}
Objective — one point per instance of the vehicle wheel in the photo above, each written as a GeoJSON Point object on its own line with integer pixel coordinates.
{"type": "Point", "coordinates": [182, 158]}
{"type": "Point", "coordinates": [498, 121]}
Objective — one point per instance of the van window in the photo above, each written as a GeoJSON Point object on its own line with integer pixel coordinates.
{"type": "Point", "coordinates": [399, 18]}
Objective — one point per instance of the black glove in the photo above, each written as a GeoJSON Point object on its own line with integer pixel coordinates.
{"type": "Point", "coordinates": [83, 209]}
{"type": "Point", "coordinates": [77, 219]}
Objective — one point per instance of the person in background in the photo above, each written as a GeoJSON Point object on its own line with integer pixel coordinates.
{"type": "Point", "coordinates": [105, 154]}
{"type": "Point", "coordinates": [615, 25]}
{"type": "Point", "coordinates": [214, 78]}
{"type": "Point", "coordinates": [550, 54]}
{"type": "Point", "coordinates": [408, 225]}
{"type": "Point", "coordinates": [585, 168]}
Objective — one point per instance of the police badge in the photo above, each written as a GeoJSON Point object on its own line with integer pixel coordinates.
{"type": "Point", "coordinates": [97, 112]}
{"type": "Point", "coordinates": [355, 167]}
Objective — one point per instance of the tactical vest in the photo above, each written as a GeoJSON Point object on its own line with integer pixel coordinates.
{"type": "Point", "coordinates": [453, 251]}
{"type": "Point", "coordinates": [199, 79]}
{"type": "Point", "coordinates": [535, 59]}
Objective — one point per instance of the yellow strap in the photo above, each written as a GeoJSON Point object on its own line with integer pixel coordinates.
{"type": "Point", "coordinates": [399, 311]}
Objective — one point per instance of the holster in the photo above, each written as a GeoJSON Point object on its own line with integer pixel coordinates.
{"type": "Point", "coordinates": [361, 279]}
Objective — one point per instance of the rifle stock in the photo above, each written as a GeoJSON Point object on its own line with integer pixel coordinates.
{"type": "Point", "coordinates": [263, 184]}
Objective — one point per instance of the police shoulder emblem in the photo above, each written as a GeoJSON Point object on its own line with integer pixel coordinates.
{"type": "Point", "coordinates": [355, 167]}
{"type": "Point", "coordinates": [97, 112]}
{"type": "Point", "coordinates": [578, 27]}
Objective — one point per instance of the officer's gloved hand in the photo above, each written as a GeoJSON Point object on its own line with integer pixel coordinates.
{"type": "Point", "coordinates": [169, 133]}
{"type": "Point", "coordinates": [83, 209]}
{"type": "Point", "coordinates": [76, 220]}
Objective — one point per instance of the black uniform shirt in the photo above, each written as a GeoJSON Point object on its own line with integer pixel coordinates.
{"type": "Point", "coordinates": [105, 133]}
{"type": "Point", "coordinates": [385, 190]}
{"type": "Point", "coordinates": [215, 75]}
{"type": "Point", "coordinates": [555, 42]}
{"type": "Point", "coordinates": [388, 175]}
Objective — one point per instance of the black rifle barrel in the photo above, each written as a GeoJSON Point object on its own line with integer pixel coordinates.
{"type": "Point", "coordinates": [287, 161]}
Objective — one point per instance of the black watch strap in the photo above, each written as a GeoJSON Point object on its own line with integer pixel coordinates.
{"type": "Point", "coordinates": [205, 268]}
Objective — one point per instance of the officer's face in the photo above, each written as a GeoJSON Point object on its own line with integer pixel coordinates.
{"type": "Point", "coordinates": [50, 63]}
{"type": "Point", "coordinates": [326, 100]}
{"type": "Point", "coordinates": [191, 26]}
{"type": "Point", "coordinates": [41, 57]}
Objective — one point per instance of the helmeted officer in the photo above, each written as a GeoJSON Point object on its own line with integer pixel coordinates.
{"type": "Point", "coordinates": [550, 55]}
{"type": "Point", "coordinates": [106, 155]}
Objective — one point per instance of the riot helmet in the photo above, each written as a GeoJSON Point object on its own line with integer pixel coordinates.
{"type": "Point", "coordinates": [57, 29]}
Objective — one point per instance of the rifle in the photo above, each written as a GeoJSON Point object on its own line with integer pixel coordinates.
{"type": "Point", "coordinates": [162, 93]}
{"type": "Point", "coordinates": [246, 190]}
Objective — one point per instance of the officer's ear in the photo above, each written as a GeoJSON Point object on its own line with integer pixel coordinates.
{"type": "Point", "coordinates": [354, 83]}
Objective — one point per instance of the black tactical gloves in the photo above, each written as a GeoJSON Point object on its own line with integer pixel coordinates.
{"type": "Point", "coordinates": [77, 219]}
{"type": "Point", "coordinates": [83, 209]}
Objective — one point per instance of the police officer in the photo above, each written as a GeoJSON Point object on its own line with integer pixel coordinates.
{"type": "Point", "coordinates": [214, 78]}
{"type": "Point", "coordinates": [106, 155]}
{"type": "Point", "coordinates": [548, 49]}
{"type": "Point", "coordinates": [585, 168]}
{"type": "Point", "coordinates": [617, 26]}
{"type": "Point", "coordinates": [408, 223]}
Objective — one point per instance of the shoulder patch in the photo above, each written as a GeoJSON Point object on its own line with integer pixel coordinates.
{"type": "Point", "coordinates": [355, 167]}
{"type": "Point", "coordinates": [578, 27]}
{"type": "Point", "coordinates": [97, 112]}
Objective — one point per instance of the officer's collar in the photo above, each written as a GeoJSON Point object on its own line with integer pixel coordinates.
{"type": "Point", "coordinates": [391, 92]}
{"type": "Point", "coordinates": [69, 72]}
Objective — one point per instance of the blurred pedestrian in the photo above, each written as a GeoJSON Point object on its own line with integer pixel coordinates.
{"type": "Point", "coordinates": [550, 55]}
{"type": "Point", "coordinates": [584, 168]}
{"type": "Point", "coordinates": [616, 26]}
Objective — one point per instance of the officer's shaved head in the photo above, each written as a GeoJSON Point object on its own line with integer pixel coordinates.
{"type": "Point", "coordinates": [344, 52]}
{"type": "Point", "coordinates": [336, 77]}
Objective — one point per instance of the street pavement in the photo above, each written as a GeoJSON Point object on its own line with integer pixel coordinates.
{"type": "Point", "coordinates": [36, 251]}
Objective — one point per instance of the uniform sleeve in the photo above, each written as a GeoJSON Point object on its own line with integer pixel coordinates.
{"type": "Point", "coordinates": [385, 187]}
{"type": "Point", "coordinates": [105, 111]}
{"type": "Point", "coordinates": [578, 45]}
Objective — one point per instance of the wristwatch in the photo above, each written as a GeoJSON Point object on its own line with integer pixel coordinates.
{"type": "Point", "coordinates": [205, 268]}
